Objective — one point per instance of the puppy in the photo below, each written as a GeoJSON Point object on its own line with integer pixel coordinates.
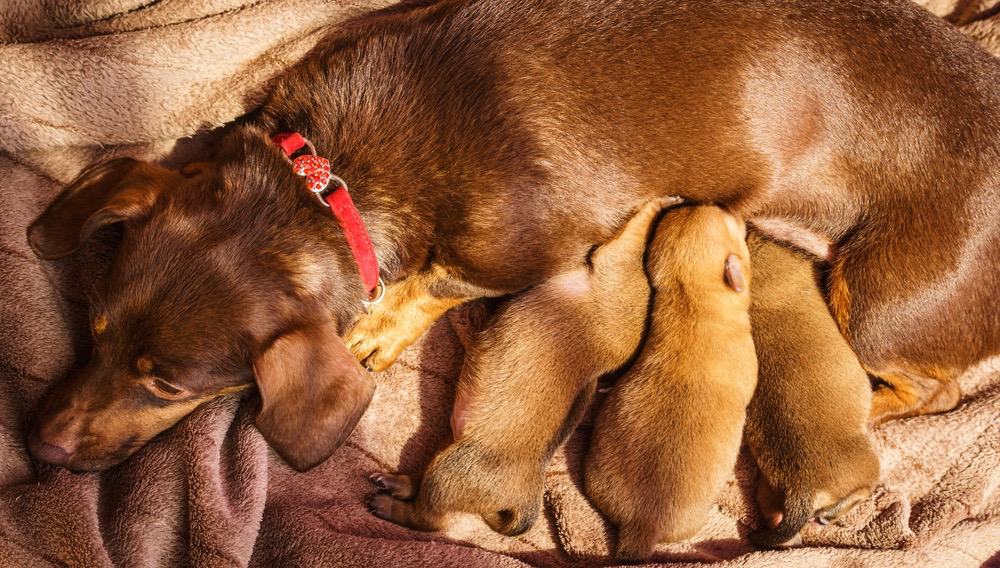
{"type": "Point", "coordinates": [669, 432]}
{"type": "Point", "coordinates": [524, 388]}
{"type": "Point", "coordinates": [806, 425]}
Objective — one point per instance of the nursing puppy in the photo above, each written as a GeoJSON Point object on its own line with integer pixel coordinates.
{"type": "Point", "coordinates": [669, 432]}
{"type": "Point", "coordinates": [524, 388]}
{"type": "Point", "coordinates": [806, 425]}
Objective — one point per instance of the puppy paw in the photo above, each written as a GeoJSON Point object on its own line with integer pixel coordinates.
{"type": "Point", "coordinates": [398, 486]}
{"type": "Point", "coordinates": [388, 508]}
{"type": "Point", "coordinates": [382, 506]}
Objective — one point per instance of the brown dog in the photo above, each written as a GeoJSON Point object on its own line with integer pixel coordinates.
{"type": "Point", "coordinates": [524, 388]}
{"type": "Point", "coordinates": [807, 422]}
{"type": "Point", "coordinates": [668, 434]}
{"type": "Point", "coordinates": [490, 145]}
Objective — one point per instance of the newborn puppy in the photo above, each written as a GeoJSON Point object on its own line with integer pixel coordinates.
{"type": "Point", "coordinates": [806, 425]}
{"type": "Point", "coordinates": [525, 386]}
{"type": "Point", "coordinates": [669, 432]}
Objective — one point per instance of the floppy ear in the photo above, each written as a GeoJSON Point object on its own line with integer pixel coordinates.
{"type": "Point", "coordinates": [313, 392]}
{"type": "Point", "coordinates": [109, 192]}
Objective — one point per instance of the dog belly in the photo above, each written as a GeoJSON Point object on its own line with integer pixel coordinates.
{"type": "Point", "coordinates": [797, 236]}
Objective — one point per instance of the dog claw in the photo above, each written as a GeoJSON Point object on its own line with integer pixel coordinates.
{"type": "Point", "coordinates": [377, 361]}
{"type": "Point", "coordinates": [371, 356]}
{"type": "Point", "coordinates": [378, 480]}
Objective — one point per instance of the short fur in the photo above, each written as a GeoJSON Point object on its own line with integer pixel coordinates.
{"type": "Point", "coordinates": [667, 436]}
{"type": "Point", "coordinates": [525, 385]}
{"type": "Point", "coordinates": [491, 145]}
{"type": "Point", "coordinates": [807, 422]}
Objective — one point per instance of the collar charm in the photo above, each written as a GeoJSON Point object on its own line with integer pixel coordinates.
{"type": "Point", "coordinates": [316, 170]}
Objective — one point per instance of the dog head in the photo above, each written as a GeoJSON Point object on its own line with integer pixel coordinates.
{"type": "Point", "coordinates": [218, 284]}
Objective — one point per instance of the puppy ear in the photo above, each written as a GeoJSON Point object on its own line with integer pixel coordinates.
{"type": "Point", "coordinates": [734, 273]}
{"type": "Point", "coordinates": [109, 192]}
{"type": "Point", "coordinates": [313, 392]}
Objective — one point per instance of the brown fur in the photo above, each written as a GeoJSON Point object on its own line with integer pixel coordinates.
{"type": "Point", "coordinates": [524, 387]}
{"type": "Point", "coordinates": [194, 309]}
{"type": "Point", "coordinates": [499, 142]}
{"type": "Point", "coordinates": [807, 422]}
{"type": "Point", "coordinates": [668, 434]}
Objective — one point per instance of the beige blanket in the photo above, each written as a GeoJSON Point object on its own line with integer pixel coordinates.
{"type": "Point", "coordinates": [81, 81]}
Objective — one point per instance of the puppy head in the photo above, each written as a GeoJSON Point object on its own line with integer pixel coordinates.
{"type": "Point", "coordinates": [216, 286]}
{"type": "Point", "coordinates": [823, 489]}
{"type": "Point", "coordinates": [702, 247]}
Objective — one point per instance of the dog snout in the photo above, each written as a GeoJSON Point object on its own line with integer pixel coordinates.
{"type": "Point", "coordinates": [52, 449]}
{"type": "Point", "coordinates": [49, 453]}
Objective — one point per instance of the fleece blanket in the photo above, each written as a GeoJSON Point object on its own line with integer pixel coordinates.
{"type": "Point", "coordinates": [90, 80]}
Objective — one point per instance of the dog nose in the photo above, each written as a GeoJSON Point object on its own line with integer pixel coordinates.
{"type": "Point", "coordinates": [48, 453]}
{"type": "Point", "coordinates": [46, 450]}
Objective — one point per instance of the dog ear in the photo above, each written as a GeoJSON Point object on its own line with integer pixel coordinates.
{"type": "Point", "coordinates": [734, 273]}
{"type": "Point", "coordinates": [107, 193]}
{"type": "Point", "coordinates": [313, 392]}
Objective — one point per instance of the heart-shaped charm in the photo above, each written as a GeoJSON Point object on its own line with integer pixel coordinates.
{"type": "Point", "coordinates": [315, 169]}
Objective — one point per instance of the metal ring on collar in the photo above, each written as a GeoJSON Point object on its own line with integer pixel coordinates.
{"type": "Point", "coordinates": [379, 294]}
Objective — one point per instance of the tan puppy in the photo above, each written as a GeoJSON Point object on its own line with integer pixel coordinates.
{"type": "Point", "coordinates": [669, 432]}
{"type": "Point", "coordinates": [525, 386]}
{"type": "Point", "coordinates": [806, 425]}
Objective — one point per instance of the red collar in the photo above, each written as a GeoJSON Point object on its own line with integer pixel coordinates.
{"type": "Point", "coordinates": [319, 179]}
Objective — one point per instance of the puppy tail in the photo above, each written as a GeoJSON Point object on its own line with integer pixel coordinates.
{"type": "Point", "coordinates": [798, 510]}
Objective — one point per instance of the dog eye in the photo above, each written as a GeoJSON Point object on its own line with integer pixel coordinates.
{"type": "Point", "coordinates": [163, 389]}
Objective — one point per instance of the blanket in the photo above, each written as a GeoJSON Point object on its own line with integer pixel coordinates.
{"type": "Point", "coordinates": [83, 81]}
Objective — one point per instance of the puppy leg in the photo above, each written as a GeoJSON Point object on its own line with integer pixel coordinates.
{"type": "Point", "coordinates": [636, 542]}
{"type": "Point", "coordinates": [514, 521]}
{"type": "Point", "coordinates": [468, 476]}
{"type": "Point", "coordinates": [409, 308]}
{"type": "Point", "coordinates": [406, 513]}
{"type": "Point", "coordinates": [399, 486]}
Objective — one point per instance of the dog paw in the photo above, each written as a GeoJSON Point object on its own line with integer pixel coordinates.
{"type": "Point", "coordinates": [377, 343]}
{"type": "Point", "coordinates": [398, 486]}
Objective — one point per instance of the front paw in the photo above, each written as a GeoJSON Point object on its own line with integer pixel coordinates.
{"type": "Point", "coordinates": [377, 341]}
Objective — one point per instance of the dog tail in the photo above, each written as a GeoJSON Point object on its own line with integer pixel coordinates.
{"type": "Point", "coordinates": [798, 510]}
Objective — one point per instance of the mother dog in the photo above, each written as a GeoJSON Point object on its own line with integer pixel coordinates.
{"type": "Point", "coordinates": [489, 146]}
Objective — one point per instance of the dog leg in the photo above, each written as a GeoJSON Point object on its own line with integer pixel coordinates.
{"type": "Point", "coordinates": [409, 309]}
{"type": "Point", "coordinates": [904, 396]}
{"type": "Point", "coordinates": [909, 387]}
